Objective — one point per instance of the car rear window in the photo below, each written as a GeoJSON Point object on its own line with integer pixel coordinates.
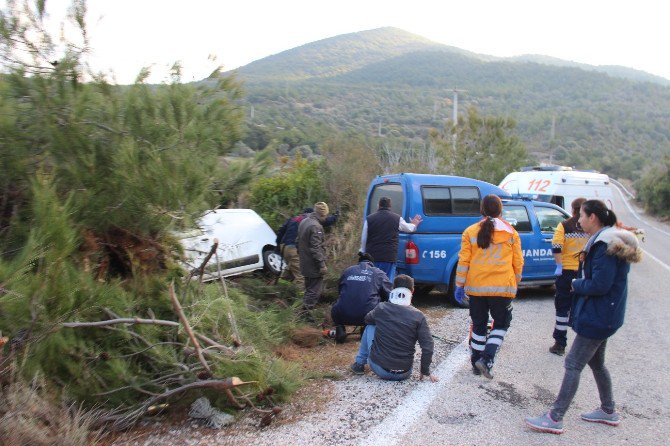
{"type": "Point", "coordinates": [442, 200]}
{"type": "Point", "coordinates": [388, 190]}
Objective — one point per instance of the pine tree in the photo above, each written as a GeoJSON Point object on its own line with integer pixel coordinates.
{"type": "Point", "coordinates": [486, 147]}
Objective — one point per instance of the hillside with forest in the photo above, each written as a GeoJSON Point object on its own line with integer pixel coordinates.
{"type": "Point", "coordinates": [388, 84]}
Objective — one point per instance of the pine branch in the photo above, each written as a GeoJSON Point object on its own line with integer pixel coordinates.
{"type": "Point", "coordinates": [187, 326]}
{"type": "Point", "coordinates": [125, 320]}
{"type": "Point", "coordinates": [231, 318]}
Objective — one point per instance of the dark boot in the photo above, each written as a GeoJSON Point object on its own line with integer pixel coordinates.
{"type": "Point", "coordinates": [484, 365]}
{"type": "Point", "coordinates": [474, 357]}
{"type": "Point", "coordinates": [340, 334]}
{"type": "Point", "coordinates": [557, 349]}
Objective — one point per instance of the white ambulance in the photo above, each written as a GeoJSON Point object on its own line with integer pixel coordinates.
{"type": "Point", "coordinates": [558, 185]}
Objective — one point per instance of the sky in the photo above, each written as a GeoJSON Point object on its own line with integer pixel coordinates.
{"type": "Point", "coordinates": [126, 35]}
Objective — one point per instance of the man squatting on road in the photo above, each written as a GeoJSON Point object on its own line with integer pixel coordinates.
{"type": "Point", "coordinates": [568, 242]}
{"type": "Point", "coordinates": [361, 288]}
{"type": "Point", "coordinates": [380, 235]}
{"type": "Point", "coordinates": [597, 313]}
{"type": "Point", "coordinates": [395, 327]}
{"type": "Point", "coordinates": [488, 273]}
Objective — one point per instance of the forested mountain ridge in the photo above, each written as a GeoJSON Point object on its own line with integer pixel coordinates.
{"type": "Point", "coordinates": [390, 83]}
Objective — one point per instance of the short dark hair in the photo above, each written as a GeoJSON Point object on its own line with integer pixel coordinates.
{"type": "Point", "coordinates": [385, 202]}
{"type": "Point", "coordinates": [363, 256]}
{"type": "Point", "coordinates": [403, 281]}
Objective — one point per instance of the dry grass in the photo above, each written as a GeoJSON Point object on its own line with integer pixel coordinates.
{"type": "Point", "coordinates": [28, 417]}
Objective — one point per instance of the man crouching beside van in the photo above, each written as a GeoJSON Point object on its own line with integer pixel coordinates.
{"type": "Point", "coordinates": [389, 340]}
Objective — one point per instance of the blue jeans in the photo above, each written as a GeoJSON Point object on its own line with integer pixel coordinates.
{"type": "Point", "coordinates": [363, 357]}
{"type": "Point", "coordinates": [584, 351]}
{"type": "Point", "coordinates": [388, 268]}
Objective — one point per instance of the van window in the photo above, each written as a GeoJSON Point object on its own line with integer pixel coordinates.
{"type": "Point", "coordinates": [389, 190]}
{"type": "Point", "coordinates": [517, 216]}
{"type": "Point", "coordinates": [549, 218]}
{"type": "Point", "coordinates": [450, 200]}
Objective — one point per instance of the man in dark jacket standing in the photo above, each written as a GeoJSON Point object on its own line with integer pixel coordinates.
{"type": "Point", "coordinates": [361, 288]}
{"type": "Point", "coordinates": [286, 243]}
{"type": "Point", "coordinates": [395, 327]}
{"type": "Point", "coordinates": [312, 253]}
{"type": "Point", "coordinates": [380, 235]}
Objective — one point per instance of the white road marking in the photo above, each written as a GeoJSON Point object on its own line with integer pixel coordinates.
{"type": "Point", "coordinates": [646, 253]}
{"type": "Point", "coordinates": [630, 209]}
{"type": "Point", "coordinates": [403, 417]}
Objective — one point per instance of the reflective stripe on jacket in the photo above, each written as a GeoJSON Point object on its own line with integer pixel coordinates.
{"type": "Point", "coordinates": [569, 242]}
{"type": "Point", "coordinates": [494, 271]}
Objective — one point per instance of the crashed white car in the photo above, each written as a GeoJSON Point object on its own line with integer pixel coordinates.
{"type": "Point", "coordinates": [246, 243]}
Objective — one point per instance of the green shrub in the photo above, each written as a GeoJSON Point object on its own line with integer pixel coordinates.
{"type": "Point", "coordinates": [299, 183]}
{"type": "Point", "coordinates": [653, 189]}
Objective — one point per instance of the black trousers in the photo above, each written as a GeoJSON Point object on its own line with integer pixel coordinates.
{"type": "Point", "coordinates": [562, 302]}
{"type": "Point", "coordinates": [483, 343]}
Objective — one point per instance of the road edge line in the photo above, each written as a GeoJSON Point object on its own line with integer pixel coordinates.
{"type": "Point", "coordinates": [405, 415]}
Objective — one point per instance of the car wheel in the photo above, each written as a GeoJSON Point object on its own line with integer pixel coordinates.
{"type": "Point", "coordinates": [272, 261]}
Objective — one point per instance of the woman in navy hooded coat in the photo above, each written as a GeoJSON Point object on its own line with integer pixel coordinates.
{"type": "Point", "coordinates": [597, 313]}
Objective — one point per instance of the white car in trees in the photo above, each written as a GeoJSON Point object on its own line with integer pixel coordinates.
{"type": "Point", "coordinates": [245, 243]}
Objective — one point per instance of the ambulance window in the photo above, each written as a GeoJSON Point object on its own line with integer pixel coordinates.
{"type": "Point", "coordinates": [549, 218]}
{"type": "Point", "coordinates": [517, 216]}
{"type": "Point", "coordinates": [389, 190]}
{"type": "Point", "coordinates": [557, 200]}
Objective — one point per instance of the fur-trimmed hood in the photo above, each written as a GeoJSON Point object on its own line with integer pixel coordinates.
{"type": "Point", "coordinates": [620, 243]}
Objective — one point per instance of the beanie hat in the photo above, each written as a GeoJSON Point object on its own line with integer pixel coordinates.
{"type": "Point", "coordinates": [321, 209]}
{"type": "Point", "coordinates": [401, 296]}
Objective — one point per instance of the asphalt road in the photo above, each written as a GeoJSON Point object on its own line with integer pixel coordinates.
{"type": "Point", "coordinates": [463, 409]}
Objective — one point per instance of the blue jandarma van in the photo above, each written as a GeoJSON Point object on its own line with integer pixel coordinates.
{"type": "Point", "coordinates": [448, 205]}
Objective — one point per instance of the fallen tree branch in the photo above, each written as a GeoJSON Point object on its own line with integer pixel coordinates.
{"type": "Point", "coordinates": [211, 252]}
{"type": "Point", "coordinates": [229, 311]}
{"type": "Point", "coordinates": [187, 328]}
{"type": "Point", "coordinates": [126, 420]}
{"type": "Point", "coordinates": [215, 344]}
{"type": "Point", "coordinates": [123, 320]}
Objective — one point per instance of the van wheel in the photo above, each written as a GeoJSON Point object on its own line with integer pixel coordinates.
{"type": "Point", "coordinates": [272, 261]}
{"type": "Point", "coordinates": [451, 289]}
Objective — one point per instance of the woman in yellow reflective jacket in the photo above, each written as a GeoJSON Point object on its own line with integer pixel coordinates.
{"type": "Point", "coordinates": [488, 272]}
